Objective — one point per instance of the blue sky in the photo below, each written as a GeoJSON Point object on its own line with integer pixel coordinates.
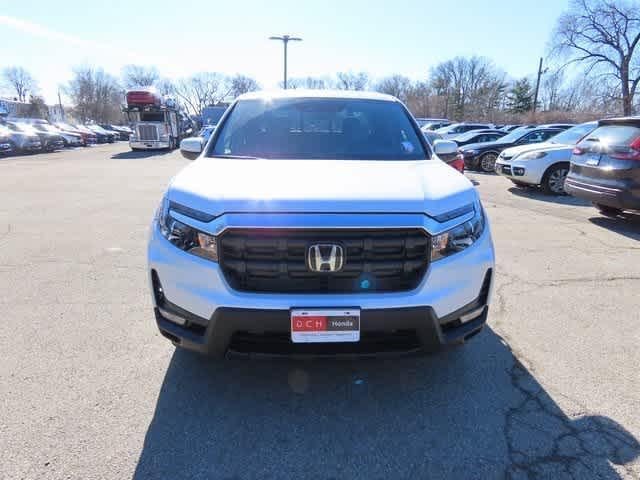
{"type": "Point", "coordinates": [186, 36]}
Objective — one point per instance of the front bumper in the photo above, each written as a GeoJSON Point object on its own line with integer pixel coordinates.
{"type": "Point", "coordinates": [32, 147]}
{"type": "Point", "coordinates": [149, 144]}
{"type": "Point", "coordinates": [52, 145]}
{"type": "Point", "coordinates": [622, 198]}
{"type": "Point", "coordinates": [523, 172]}
{"type": "Point", "coordinates": [5, 148]}
{"type": "Point", "coordinates": [450, 288]}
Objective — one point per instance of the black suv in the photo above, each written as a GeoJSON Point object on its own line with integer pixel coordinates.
{"type": "Point", "coordinates": [483, 156]}
{"type": "Point", "coordinates": [605, 166]}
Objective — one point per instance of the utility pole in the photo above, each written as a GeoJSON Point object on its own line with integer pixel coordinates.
{"type": "Point", "coordinates": [60, 104]}
{"type": "Point", "coordinates": [535, 96]}
{"type": "Point", "coordinates": [285, 39]}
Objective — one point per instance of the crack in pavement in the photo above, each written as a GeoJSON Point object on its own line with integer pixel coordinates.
{"type": "Point", "coordinates": [543, 442]}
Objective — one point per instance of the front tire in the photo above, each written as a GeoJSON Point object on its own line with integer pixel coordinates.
{"type": "Point", "coordinates": [487, 162]}
{"type": "Point", "coordinates": [608, 211]}
{"type": "Point", "coordinates": [553, 180]}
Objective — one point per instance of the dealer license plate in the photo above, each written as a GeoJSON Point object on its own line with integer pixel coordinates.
{"type": "Point", "coordinates": [325, 325]}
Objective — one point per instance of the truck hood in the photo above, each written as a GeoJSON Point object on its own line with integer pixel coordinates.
{"type": "Point", "coordinates": [217, 186]}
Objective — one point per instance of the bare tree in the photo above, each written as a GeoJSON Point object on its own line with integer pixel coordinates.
{"type": "Point", "coordinates": [242, 84]}
{"type": "Point", "coordinates": [165, 86]}
{"type": "Point", "coordinates": [603, 36]}
{"type": "Point", "coordinates": [201, 90]}
{"type": "Point", "coordinates": [470, 87]}
{"type": "Point", "coordinates": [397, 85]}
{"type": "Point", "coordinates": [20, 81]}
{"type": "Point", "coordinates": [311, 83]}
{"type": "Point", "coordinates": [420, 99]}
{"type": "Point", "coordinates": [95, 94]}
{"type": "Point", "coordinates": [37, 107]}
{"type": "Point", "coordinates": [139, 76]}
{"type": "Point", "coordinates": [552, 91]}
{"type": "Point", "coordinates": [352, 81]}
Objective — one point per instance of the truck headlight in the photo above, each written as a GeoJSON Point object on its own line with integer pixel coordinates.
{"type": "Point", "coordinates": [185, 237]}
{"type": "Point", "coordinates": [459, 237]}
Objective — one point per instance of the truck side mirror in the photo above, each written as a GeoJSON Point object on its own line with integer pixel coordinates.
{"type": "Point", "coordinates": [445, 147]}
{"type": "Point", "coordinates": [191, 148]}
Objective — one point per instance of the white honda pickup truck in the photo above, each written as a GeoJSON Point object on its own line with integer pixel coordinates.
{"type": "Point", "coordinates": [319, 223]}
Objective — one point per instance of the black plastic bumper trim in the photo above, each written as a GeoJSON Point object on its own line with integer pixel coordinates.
{"type": "Point", "coordinates": [432, 331]}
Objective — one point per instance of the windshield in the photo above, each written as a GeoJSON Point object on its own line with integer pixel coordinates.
{"type": "Point", "coordinates": [513, 136]}
{"type": "Point", "coordinates": [23, 127]}
{"type": "Point", "coordinates": [574, 134]}
{"type": "Point", "coordinates": [468, 136]}
{"type": "Point", "coordinates": [319, 128]}
{"type": "Point", "coordinates": [43, 127]}
{"type": "Point", "coordinates": [448, 128]}
{"type": "Point", "coordinates": [212, 115]}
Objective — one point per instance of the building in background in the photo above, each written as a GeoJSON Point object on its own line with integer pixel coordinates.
{"type": "Point", "coordinates": [13, 107]}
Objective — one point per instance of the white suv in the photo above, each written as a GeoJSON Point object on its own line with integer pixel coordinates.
{"type": "Point", "coordinates": [319, 222]}
{"type": "Point", "coordinates": [543, 164]}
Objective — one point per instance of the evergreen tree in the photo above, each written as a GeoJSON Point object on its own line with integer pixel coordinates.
{"type": "Point", "coordinates": [520, 97]}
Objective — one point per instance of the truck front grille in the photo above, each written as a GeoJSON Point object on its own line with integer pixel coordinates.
{"type": "Point", "coordinates": [275, 260]}
{"type": "Point", "coordinates": [147, 132]}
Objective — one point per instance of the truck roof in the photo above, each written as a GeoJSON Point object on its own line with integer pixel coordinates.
{"type": "Point", "coordinates": [303, 93]}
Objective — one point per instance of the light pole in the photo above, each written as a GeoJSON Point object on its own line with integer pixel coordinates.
{"type": "Point", "coordinates": [285, 39]}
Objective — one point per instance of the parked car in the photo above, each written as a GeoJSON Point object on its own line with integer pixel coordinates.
{"type": "Point", "coordinates": [49, 141]}
{"type": "Point", "coordinates": [458, 128]}
{"type": "Point", "coordinates": [357, 211]}
{"type": "Point", "coordinates": [563, 126]}
{"type": "Point", "coordinates": [543, 164]}
{"type": "Point", "coordinates": [110, 137]}
{"type": "Point", "coordinates": [101, 137]}
{"type": "Point", "coordinates": [432, 123]}
{"type": "Point", "coordinates": [70, 139]}
{"type": "Point", "coordinates": [448, 153]}
{"type": "Point", "coordinates": [123, 132]}
{"type": "Point", "coordinates": [205, 133]}
{"type": "Point", "coordinates": [23, 142]}
{"type": "Point", "coordinates": [478, 136]}
{"type": "Point", "coordinates": [431, 136]}
{"type": "Point", "coordinates": [510, 128]}
{"type": "Point", "coordinates": [117, 134]}
{"type": "Point", "coordinates": [87, 136]}
{"type": "Point", "coordinates": [483, 156]}
{"type": "Point", "coordinates": [6, 146]}
{"type": "Point", "coordinates": [605, 166]}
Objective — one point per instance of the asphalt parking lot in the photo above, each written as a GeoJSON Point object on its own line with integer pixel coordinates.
{"type": "Point", "coordinates": [90, 390]}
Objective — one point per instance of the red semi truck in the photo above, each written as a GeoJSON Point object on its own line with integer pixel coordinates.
{"type": "Point", "coordinates": [157, 120]}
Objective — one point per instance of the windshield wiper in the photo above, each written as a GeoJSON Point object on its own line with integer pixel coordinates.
{"type": "Point", "coordinates": [237, 157]}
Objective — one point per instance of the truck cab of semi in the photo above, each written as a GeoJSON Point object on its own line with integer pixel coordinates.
{"type": "Point", "coordinates": [156, 120]}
